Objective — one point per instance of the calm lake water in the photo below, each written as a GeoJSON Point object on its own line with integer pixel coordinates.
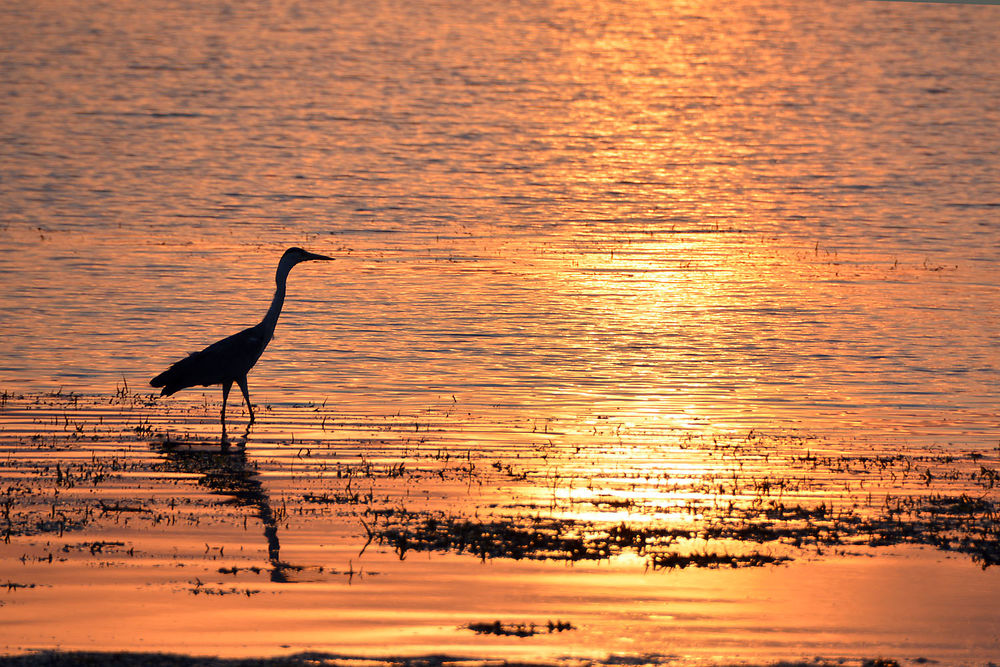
{"type": "Point", "coordinates": [639, 220]}
{"type": "Point", "coordinates": [728, 214]}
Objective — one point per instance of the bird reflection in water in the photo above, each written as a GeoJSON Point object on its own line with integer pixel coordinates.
{"type": "Point", "coordinates": [226, 472]}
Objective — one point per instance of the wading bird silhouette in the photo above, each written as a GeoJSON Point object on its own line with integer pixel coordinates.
{"type": "Point", "coordinates": [230, 359]}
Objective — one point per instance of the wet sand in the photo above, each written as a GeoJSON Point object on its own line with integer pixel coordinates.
{"type": "Point", "coordinates": [127, 527]}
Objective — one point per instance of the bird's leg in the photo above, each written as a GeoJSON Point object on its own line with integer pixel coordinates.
{"type": "Point", "coordinates": [246, 396]}
{"type": "Point", "coordinates": [226, 386]}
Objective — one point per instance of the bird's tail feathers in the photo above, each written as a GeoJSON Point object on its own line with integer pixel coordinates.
{"type": "Point", "coordinates": [164, 380]}
{"type": "Point", "coordinates": [177, 377]}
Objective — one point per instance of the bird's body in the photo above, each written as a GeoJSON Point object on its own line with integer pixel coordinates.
{"type": "Point", "coordinates": [230, 359]}
{"type": "Point", "coordinates": [225, 361]}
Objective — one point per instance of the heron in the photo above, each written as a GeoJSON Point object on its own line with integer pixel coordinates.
{"type": "Point", "coordinates": [230, 359]}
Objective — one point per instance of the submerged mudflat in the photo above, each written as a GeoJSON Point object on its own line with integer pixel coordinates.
{"type": "Point", "coordinates": [127, 526]}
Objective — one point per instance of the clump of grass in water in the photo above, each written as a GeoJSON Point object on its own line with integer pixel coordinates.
{"type": "Point", "coordinates": [548, 539]}
{"type": "Point", "coordinates": [520, 630]}
{"type": "Point", "coordinates": [951, 523]}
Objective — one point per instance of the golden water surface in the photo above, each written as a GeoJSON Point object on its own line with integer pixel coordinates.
{"type": "Point", "coordinates": [606, 273]}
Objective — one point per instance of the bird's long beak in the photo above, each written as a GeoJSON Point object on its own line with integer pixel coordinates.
{"type": "Point", "coordinates": [312, 255]}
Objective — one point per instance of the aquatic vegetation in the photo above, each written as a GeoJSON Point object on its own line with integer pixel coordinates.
{"type": "Point", "coordinates": [950, 524]}
{"type": "Point", "coordinates": [752, 500]}
{"type": "Point", "coordinates": [549, 539]}
{"type": "Point", "coordinates": [520, 629]}
{"type": "Point", "coordinates": [82, 488]}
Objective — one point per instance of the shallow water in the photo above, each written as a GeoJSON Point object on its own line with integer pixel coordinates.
{"type": "Point", "coordinates": [620, 227]}
{"type": "Point", "coordinates": [402, 535]}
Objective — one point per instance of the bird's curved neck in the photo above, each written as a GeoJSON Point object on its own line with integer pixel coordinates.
{"type": "Point", "coordinates": [280, 278]}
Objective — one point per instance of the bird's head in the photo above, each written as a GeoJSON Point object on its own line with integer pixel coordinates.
{"type": "Point", "coordinates": [293, 256]}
